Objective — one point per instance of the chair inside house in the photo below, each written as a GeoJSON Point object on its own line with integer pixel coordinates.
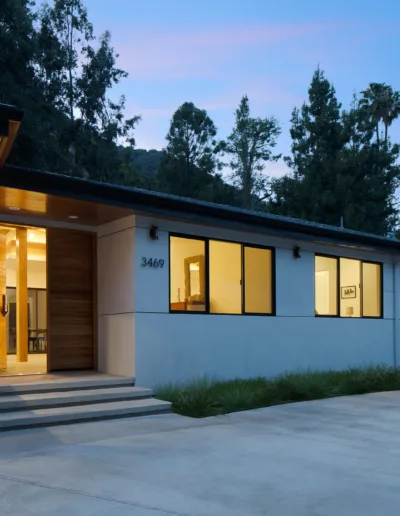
{"type": "Point", "coordinates": [37, 341]}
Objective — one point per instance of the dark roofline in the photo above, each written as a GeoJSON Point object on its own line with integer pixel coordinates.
{"type": "Point", "coordinates": [170, 205]}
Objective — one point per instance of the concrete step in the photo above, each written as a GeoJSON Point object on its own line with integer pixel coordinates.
{"type": "Point", "coordinates": [73, 397]}
{"type": "Point", "coordinates": [65, 384]}
{"type": "Point", "coordinates": [81, 413]}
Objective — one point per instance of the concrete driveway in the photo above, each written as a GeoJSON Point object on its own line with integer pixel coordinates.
{"type": "Point", "coordinates": [338, 457]}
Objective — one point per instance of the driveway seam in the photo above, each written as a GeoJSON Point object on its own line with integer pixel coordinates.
{"type": "Point", "coordinates": [96, 497]}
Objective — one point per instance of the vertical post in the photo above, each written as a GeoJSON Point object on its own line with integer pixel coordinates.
{"type": "Point", "coordinates": [22, 295]}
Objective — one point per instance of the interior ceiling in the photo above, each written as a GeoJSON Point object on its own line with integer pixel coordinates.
{"type": "Point", "coordinates": [36, 205]}
{"type": "Point", "coordinates": [36, 243]}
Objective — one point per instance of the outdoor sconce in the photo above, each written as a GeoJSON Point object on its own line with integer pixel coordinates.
{"type": "Point", "coordinates": [296, 252]}
{"type": "Point", "coordinates": [154, 232]}
{"type": "Point", "coordinates": [10, 120]}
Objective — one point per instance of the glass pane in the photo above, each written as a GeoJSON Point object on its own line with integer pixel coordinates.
{"type": "Point", "coordinates": [186, 262]}
{"type": "Point", "coordinates": [325, 286]}
{"type": "Point", "coordinates": [371, 290]}
{"type": "Point", "coordinates": [257, 280]}
{"type": "Point", "coordinates": [42, 309]}
{"type": "Point", "coordinates": [350, 291]}
{"type": "Point", "coordinates": [225, 278]}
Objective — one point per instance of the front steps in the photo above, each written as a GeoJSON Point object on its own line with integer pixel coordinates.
{"type": "Point", "coordinates": [65, 401]}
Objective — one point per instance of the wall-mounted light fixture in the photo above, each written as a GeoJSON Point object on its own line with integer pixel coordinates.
{"type": "Point", "coordinates": [296, 252]}
{"type": "Point", "coordinates": [10, 120]}
{"type": "Point", "coordinates": [153, 232]}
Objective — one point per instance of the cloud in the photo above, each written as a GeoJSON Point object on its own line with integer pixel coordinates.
{"type": "Point", "coordinates": [166, 54]}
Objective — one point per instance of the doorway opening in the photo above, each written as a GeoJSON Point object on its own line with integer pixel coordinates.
{"type": "Point", "coordinates": [23, 300]}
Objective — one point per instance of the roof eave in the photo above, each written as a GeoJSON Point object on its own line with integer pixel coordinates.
{"type": "Point", "coordinates": [159, 204]}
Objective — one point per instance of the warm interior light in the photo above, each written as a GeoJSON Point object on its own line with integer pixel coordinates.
{"type": "Point", "coordinates": [14, 208]}
{"type": "Point", "coordinates": [73, 217]}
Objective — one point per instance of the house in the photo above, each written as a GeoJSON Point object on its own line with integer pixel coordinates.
{"type": "Point", "coordinates": [160, 288]}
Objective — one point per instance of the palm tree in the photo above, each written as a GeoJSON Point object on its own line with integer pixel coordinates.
{"type": "Point", "coordinates": [392, 110]}
{"type": "Point", "coordinates": [382, 104]}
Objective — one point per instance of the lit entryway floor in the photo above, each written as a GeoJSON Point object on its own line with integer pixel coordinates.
{"type": "Point", "coordinates": [37, 363]}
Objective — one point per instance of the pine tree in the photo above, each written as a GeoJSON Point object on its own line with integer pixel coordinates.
{"type": "Point", "coordinates": [250, 147]}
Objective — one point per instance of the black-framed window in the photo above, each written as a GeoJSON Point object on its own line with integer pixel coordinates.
{"type": "Point", "coordinates": [220, 277]}
{"type": "Point", "coordinates": [346, 287]}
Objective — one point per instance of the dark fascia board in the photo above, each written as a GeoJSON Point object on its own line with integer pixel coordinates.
{"type": "Point", "coordinates": [9, 112]}
{"type": "Point", "coordinates": [178, 207]}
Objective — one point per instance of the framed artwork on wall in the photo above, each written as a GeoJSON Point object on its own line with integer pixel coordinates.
{"type": "Point", "coordinates": [348, 292]}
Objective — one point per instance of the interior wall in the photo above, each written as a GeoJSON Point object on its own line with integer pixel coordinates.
{"type": "Point", "coordinates": [371, 289]}
{"type": "Point", "coordinates": [258, 285]}
{"type": "Point", "coordinates": [115, 273]}
{"type": "Point", "coordinates": [181, 249]}
{"type": "Point", "coordinates": [36, 273]}
{"type": "Point", "coordinates": [325, 285]}
{"type": "Point", "coordinates": [350, 276]}
{"type": "Point", "coordinates": [225, 277]}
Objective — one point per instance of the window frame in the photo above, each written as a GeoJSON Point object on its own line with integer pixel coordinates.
{"type": "Point", "coordinates": [362, 316]}
{"type": "Point", "coordinates": [207, 311]}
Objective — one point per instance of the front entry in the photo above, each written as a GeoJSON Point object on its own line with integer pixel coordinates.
{"type": "Point", "coordinates": [71, 275]}
{"type": "Point", "coordinates": [48, 312]}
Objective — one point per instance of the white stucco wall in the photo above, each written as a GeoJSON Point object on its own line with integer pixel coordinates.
{"type": "Point", "coordinates": [115, 272]}
{"type": "Point", "coordinates": [175, 347]}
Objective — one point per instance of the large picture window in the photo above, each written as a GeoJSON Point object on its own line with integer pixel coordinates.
{"type": "Point", "coordinates": [347, 288]}
{"type": "Point", "coordinates": [219, 277]}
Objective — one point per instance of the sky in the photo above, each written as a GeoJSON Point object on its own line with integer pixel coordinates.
{"type": "Point", "coordinates": [212, 52]}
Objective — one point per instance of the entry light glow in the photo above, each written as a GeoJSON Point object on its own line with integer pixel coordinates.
{"type": "Point", "coordinates": [73, 217]}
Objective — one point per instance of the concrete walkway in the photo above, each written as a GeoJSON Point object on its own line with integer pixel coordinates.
{"type": "Point", "coordinates": [338, 457]}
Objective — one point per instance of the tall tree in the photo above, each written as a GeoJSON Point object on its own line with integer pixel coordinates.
{"type": "Point", "coordinates": [38, 143]}
{"type": "Point", "coordinates": [370, 175]}
{"type": "Point", "coordinates": [77, 77]}
{"type": "Point", "coordinates": [190, 157]}
{"type": "Point", "coordinates": [309, 192]}
{"type": "Point", "coordinates": [66, 33]}
{"type": "Point", "coordinates": [338, 169]}
{"type": "Point", "coordinates": [250, 146]}
{"type": "Point", "coordinates": [382, 104]}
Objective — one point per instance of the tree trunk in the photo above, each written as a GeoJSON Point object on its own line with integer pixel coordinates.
{"type": "Point", "coordinates": [71, 91]}
{"type": "Point", "coordinates": [377, 134]}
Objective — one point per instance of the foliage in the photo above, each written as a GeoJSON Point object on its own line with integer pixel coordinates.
{"type": "Point", "coordinates": [190, 156]}
{"type": "Point", "coordinates": [250, 146]}
{"type": "Point", "coordinates": [381, 104]}
{"type": "Point", "coordinates": [204, 397]}
{"type": "Point", "coordinates": [338, 170]}
{"type": "Point", "coordinates": [61, 75]}
{"type": "Point", "coordinates": [55, 67]}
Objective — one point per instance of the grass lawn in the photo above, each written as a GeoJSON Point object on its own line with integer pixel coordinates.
{"type": "Point", "coordinates": [204, 397]}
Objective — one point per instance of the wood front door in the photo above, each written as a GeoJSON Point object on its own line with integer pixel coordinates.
{"type": "Point", "coordinates": [3, 322]}
{"type": "Point", "coordinates": [71, 300]}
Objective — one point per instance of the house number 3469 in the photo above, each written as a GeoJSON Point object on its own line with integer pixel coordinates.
{"type": "Point", "coordinates": [152, 262]}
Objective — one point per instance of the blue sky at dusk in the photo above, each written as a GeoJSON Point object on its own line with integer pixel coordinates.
{"type": "Point", "coordinates": [212, 52]}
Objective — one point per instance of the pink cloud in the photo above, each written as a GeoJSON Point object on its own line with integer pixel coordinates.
{"type": "Point", "coordinates": [198, 53]}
